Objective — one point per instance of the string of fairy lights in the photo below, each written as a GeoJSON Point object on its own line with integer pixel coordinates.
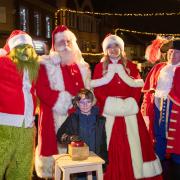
{"type": "Point", "coordinates": [146, 33]}
{"type": "Point", "coordinates": [92, 54]}
{"type": "Point", "coordinates": [122, 15]}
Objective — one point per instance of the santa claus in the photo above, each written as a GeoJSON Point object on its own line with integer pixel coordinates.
{"type": "Point", "coordinates": [19, 69]}
{"type": "Point", "coordinates": [161, 104]}
{"type": "Point", "coordinates": [62, 74]}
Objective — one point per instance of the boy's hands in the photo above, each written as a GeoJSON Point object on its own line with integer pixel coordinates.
{"type": "Point", "coordinates": [74, 138]}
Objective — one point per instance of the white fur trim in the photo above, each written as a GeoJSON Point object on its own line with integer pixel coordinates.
{"type": "Point", "coordinates": [58, 120]}
{"type": "Point", "coordinates": [106, 78]}
{"type": "Point", "coordinates": [85, 73]}
{"type": "Point", "coordinates": [102, 81]}
{"type": "Point", "coordinates": [109, 125]}
{"type": "Point", "coordinates": [3, 52]}
{"type": "Point", "coordinates": [141, 169]}
{"type": "Point", "coordinates": [115, 106]}
{"type": "Point", "coordinates": [44, 165]}
{"type": "Point", "coordinates": [133, 139]}
{"type": "Point", "coordinates": [117, 68]}
{"type": "Point", "coordinates": [99, 82]}
{"type": "Point", "coordinates": [20, 39]}
{"type": "Point", "coordinates": [112, 39]}
{"type": "Point", "coordinates": [54, 73]}
{"type": "Point", "coordinates": [127, 79]}
{"type": "Point", "coordinates": [63, 103]}
{"type": "Point", "coordinates": [11, 119]}
{"type": "Point", "coordinates": [152, 168]}
{"type": "Point", "coordinates": [135, 145]}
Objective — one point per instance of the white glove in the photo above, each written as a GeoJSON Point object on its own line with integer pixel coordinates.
{"type": "Point", "coordinates": [63, 103]}
{"type": "Point", "coordinates": [55, 58]}
{"type": "Point", "coordinates": [112, 68]}
{"type": "Point", "coordinates": [119, 68]}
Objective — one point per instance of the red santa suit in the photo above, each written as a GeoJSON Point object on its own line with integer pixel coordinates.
{"type": "Point", "coordinates": [13, 82]}
{"type": "Point", "coordinates": [131, 154]}
{"type": "Point", "coordinates": [147, 107]}
{"type": "Point", "coordinates": [56, 86]}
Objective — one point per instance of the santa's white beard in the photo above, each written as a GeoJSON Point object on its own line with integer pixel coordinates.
{"type": "Point", "coordinates": [68, 55]}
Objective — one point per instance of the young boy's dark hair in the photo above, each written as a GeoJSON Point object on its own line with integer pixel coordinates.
{"type": "Point", "coordinates": [83, 92]}
{"type": "Point", "coordinates": [88, 126]}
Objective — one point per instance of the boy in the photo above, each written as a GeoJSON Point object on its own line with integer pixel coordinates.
{"type": "Point", "coordinates": [85, 124]}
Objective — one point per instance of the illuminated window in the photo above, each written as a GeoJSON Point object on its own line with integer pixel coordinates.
{"type": "Point", "coordinates": [48, 27]}
{"type": "Point", "coordinates": [40, 47]}
{"type": "Point", "coordinates": [24, 19]}
{"type": "Point", "coordinates": [37, 23]}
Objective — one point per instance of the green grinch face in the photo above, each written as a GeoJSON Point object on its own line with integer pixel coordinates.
{"type": "Point", "coordinates": [23, 52]}
{"type": "Point", "coordinates": [25, 58]}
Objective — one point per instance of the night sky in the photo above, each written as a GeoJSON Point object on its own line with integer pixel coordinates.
{"type": "Point", "coordinates": [163, 24]}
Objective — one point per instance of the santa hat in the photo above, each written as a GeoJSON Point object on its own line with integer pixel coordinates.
{"type": "Point", "coordinates": [16, 38]}
{"type": "Point", "coordinates": [62, 32]}
{"type": "Point", "coordinates": [112, 39]}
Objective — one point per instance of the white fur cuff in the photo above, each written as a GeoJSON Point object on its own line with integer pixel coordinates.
{"type": "Point", "coordinates": [139, 82]}
{"type": "Point", "coordinates": [152, 168]}
{"type": "Point", "coordinates": [120, 107]}
{"type": "Point", "coordinates": [63, 103]}
{"type": "Point", "coordinates": [102, 81]}
{"type": "Point", "coordinates": [127, 79]}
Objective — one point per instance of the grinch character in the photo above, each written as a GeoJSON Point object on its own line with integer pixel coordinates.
{"type": "Point", "coordinates": [161, 104]}
{"type": "Point", "coordinates": [62, 74]}
{"type": "Point", "coordinates": [19, 69]}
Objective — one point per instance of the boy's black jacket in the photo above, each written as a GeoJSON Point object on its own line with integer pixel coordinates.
{"type": "Point", "coordinates": [71, 127]}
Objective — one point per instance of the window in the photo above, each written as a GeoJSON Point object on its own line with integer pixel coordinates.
{"type": "Point", "coordinates": [93, 46]}
{"type": "Point", "coordinates": [48, 27]}
{"type": "Point", "coordinates": [24, 19]}
{"type": "Point", "coordinates": [37, 23]}
{"type": "Point", "coordinates": [40, 47]}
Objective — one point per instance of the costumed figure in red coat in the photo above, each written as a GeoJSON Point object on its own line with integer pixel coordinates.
{"type": "Point", "coordinates": [19, 69]}
{"type": "Point", "coordinates": [117, 89]}
{"type": "Point", "coordinates": [153, 55]}
{"type": "Point", "coordinates": [161, 104]}
{"type": "Point", "coordinates": [62, 74]}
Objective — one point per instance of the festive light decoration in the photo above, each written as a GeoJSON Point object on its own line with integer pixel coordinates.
{"type": "Point", "coordinates": [121, 14]}
{"type": "Point", "coordinates": [92, 54]}
{"type": "Point", "coordinates": [145, 33]}
{"type": "Point", "coordinates": [124, 14]}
